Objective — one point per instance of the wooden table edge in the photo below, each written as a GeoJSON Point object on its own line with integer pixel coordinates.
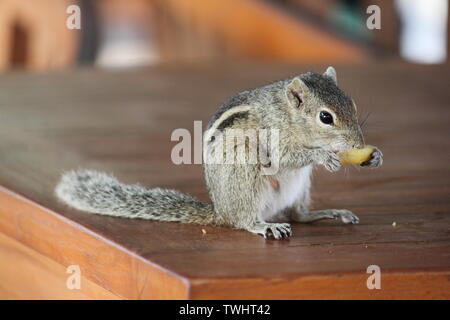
{"type": "Point", "coordinates": [23, 219]}
{"type": "Point", "coordinates": [395, 284]}
{"type": "Point", "coordinates": [28, 222]}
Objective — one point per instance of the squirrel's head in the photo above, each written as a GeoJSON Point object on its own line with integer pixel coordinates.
{"type": "Point", "coordinates": [324, 115]}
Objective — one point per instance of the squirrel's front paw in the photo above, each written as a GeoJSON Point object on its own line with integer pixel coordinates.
{"type": "Point", "coordinates": [376, 160]}
{"type": "Point", "coordinates": [329, 160]}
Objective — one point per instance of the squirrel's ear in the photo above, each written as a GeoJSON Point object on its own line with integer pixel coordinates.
{"type": "Point", "coordinates": [296, 91]}
{"type": "Point", "coordinates": [331, 73]}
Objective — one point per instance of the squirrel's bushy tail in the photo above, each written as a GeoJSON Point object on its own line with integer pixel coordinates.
{"type": "Point", "coordinates": [101, 193]}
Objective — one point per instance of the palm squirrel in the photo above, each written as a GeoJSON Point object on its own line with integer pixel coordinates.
{"type": "Point", "coordinates": [314, 118]}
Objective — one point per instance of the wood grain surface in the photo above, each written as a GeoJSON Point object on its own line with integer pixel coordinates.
{"type": "Point", "coordinates": [34, 276]}
{"type": "Point", "coordinates": [121, 122]}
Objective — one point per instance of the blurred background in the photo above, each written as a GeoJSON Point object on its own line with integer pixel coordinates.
{"type": "Point", "coordinates": [134, 33]}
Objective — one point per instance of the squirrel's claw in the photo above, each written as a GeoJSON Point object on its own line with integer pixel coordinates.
{"type": "Point", "coordinates": [275, 230]}
{"type": "Point", "coordinates": [346, 216]}
{"type": "Point", "coordinates": [375, 161]}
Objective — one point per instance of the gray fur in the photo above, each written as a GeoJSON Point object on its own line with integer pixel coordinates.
{"type": "Point", "coordinates": [97, 192]}
{"type": "Point", "coordinates": [241, 193]}
{"type": "Point", "coordinates": [327, 91]}
{"type": "Point", "coordinates": [238, 99]}
{"type": "Point", "coordinates": [228, 122]}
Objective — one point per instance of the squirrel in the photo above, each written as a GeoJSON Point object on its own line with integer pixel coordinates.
{"type": "Point", "coordinates": [315, 119]}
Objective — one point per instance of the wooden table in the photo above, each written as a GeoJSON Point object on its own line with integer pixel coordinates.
{"type": "Point", "coordinates": [121, 122]}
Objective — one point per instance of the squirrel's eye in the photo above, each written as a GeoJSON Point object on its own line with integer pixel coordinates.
{"type": "Point", "coordinates": [326, 117]}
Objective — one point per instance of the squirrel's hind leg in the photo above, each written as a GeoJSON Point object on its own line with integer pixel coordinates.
{"type": "Point", "coordinates": [300, 212]}
{"type": "Point", "coordinates": [346, 216]}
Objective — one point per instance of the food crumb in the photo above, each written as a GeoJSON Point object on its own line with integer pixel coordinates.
{"type": "Point", "coordinates": [203, 231]}
{"type": "Point", "coordinates": [394, 224]}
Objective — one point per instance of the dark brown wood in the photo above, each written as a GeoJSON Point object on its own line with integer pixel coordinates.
{"type": "Point", "coordinates": [121, 122]}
